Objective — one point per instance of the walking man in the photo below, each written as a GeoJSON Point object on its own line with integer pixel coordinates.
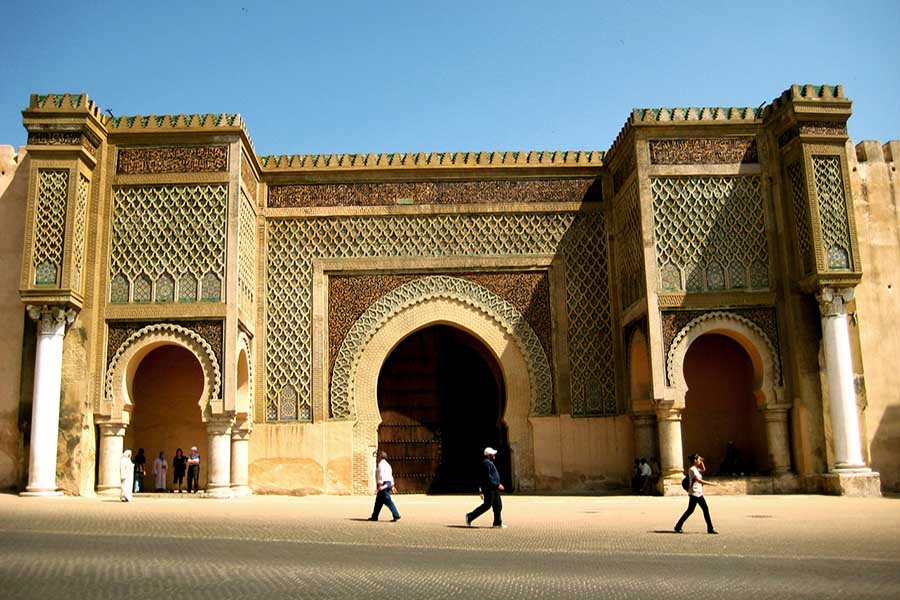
{"type": "Point", "coordinates": [490, 491]}
{"type": "Point", "coordinates": [384, 477]}
{"type": "Point", "coordinates": [695, 494]}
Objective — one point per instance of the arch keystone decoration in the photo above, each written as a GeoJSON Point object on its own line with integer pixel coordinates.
{"type": "Point", "coordinates": [762, 353]}
{"type": "Point", "coordinates": [125, 362]}
{"type": "Point", "coordinates": [428, 289]}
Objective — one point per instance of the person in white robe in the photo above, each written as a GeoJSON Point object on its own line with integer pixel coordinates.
{"type": "Point", "coordinates": [159, 472]}
{"type": "Point", "coordinates": [126, 474]}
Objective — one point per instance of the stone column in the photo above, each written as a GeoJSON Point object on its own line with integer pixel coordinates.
{"type": "Point", "coordinates": [240, 460]}
{"type": "Point", "coordinates": [643, 434]}
{"type": "Point", "coordinates": [845, 439]}
{"type": "Point", "coordinates": [218, 482]}
{"type": "Point", "coordinates": [112, 440]}
{"type": "Point", "coordinates": [51, 324]}
{"type": "Point", "coordinates": [668, 420]}
{"type": "Point", "coordinates": [777, 438]}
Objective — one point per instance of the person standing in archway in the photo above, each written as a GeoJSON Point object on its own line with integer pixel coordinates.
{"type": "Point", "coordinates": [179, 466]}
{"type": "Point", "coordinates": [160, 466]}
{"type": "Point", "coordinates": [490, 491]}
{"type": "Point", "coordinates": [695, 494]}
{"type": "Point", "coordinates": [126, 476]}
{"type": "Point", "coordinates": [193, 474]}
{"type": "Point", "coordinates": [384, 478]}
{"type": "Point", "coordinates": [140, 465]}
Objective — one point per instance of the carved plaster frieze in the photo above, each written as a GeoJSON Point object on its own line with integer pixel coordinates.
{"type": "Point", "coordinates": [51, 318]}
{"type": "Point", "coordinates": [833, 301]}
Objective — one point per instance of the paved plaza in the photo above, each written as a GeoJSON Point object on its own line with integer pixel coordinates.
{"type": "Point", "coordinates": [175, 546]}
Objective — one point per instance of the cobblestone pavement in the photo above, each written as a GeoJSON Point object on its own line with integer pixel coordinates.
{"type": "Point", "coordinates": [171, 546]}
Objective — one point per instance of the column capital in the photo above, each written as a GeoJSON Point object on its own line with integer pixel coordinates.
{"type": "Point", "coordinates": [51, 318]}
{"type": "Point", "coordinates": [668, 412]}
{"type": "Point", "coordinates": [112, 429]}
{"type": "Point", "coordinates": [832, 301]}
{"type": "Point", "coordinates": [644, 418]}
{"type": "Point", "coordinates": [220, 424]}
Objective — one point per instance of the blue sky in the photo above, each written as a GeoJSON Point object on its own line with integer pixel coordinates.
{"type": "Point", "coordinates": [336, 77]}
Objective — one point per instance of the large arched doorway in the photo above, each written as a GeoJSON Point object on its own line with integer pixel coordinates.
{"type": "Point", "coordinates": [441, 398]}
{"type": "Point", "coordinates": [166, 390]}
{"type": "Point", "coordinates": [720, 407]}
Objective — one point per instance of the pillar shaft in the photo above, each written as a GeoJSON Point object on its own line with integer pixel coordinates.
{"type": "Point", "coordinates": [112, 441]}
{"type": "Point", "coordinates": [845, 438]}
{"type": "Point", "coordinates": [51, 323]}
{"type": "Point", "coordinates": [777, 439]}
{"type": "Point", "coordinates": [240, 461]}
{"type": "Point", "coordinates": [670, 450]}
{"type": "Point", "coordinates": [219, 470]}
{"type": "Point", "coordinates": [644, 445]}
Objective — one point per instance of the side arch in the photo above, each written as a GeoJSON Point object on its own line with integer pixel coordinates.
{"type": "Point", "coordinates": [504, 315]}
{"type": "Point", "coordinates": [767, 389]}
{"type": "Point", "coordinates": [245, 383]}
{"type": "Point", "coordinates": [125, 362]}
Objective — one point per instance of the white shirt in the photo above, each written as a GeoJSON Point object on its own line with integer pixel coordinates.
{"type": "Point", "coordinates": [384, 474]}
{"type": "Point", "coordinates": [696, 486]}
{"type": "Point", "coordinates": [646, 471]}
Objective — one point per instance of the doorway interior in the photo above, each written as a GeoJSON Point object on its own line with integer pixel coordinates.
{"type": "Point", "coordinates": [442, 399]}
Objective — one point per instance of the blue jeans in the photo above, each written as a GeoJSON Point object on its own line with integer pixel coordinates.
{"type": "Point", "coordinates": [383, 498]}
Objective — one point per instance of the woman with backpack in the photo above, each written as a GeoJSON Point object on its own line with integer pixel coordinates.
{"type": "Point", "coordinates": [694, 489]}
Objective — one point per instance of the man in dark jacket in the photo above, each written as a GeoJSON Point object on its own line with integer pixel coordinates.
{"type": "Point", "coordinates": [490, 491]}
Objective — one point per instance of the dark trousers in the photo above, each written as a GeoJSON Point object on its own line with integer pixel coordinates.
{"type": "Point", "coordinates": [491, 500]}
{"type": "Point", "coordinates": [383, 498]}
{"type": "Point", "coordinates": [193, 478]}
{"type": "Point", "coordinates": [693, 501]}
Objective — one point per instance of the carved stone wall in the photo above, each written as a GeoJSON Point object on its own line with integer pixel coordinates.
{"type": "Point", "coordinates": [433, 192]}
{"type": "Point", "coordinates": [249, 178]}
{"type": "Point", "coordinates": [710, 233]}
{"type": "Point", "coordinates": [801, 217]}
{"type": "Point", "coordinates": [580, 239]}
{"type": "Point", "coordinates": [79, 231]}
{"type": "Point", "coordinates": [246, 254]}
{"type": "Point", "coordinates": [175, 159]}
{"type": "Point", "coordinates": [166, 240]}
{"type": "Point", "coordinates": [211, 331]}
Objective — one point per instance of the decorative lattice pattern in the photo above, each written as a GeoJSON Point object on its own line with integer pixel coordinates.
{"type": "Point", "coordinates": [801, 217]}
{"type": "Point", "coordinates": [246, 254]}
{"type": "Point", "coordinates": [629, 247]}
{"type": "Point", "coordinates": [710, 233]}
{"type": "Point", "coordinates": [832, 211]}
{"type": "Point", "coordinates": [507, 315]}
{"type": "Point", "coordinates": [161, 234]}
{"type": "Point", "coordinates": [294, 243]}
{"type": "Point", "coordinates": [50, 222]}
{"type": "Point", "coordinates": [79, 230]}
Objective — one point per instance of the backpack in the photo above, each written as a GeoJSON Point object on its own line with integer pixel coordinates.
{"type": "Point", "coordinates": [686, 482]}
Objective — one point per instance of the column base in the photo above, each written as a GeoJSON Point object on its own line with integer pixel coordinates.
{"type": "Point", "coordinates": [218, 492]}
{"type": "Point", "coordinates": [41, 493]}
{"type": "Point", "coordinates": [671, 486]}
{"type": "Point", "coordinates": [859, 483]}
{"type": "Point", "coordinates": [241, 490]}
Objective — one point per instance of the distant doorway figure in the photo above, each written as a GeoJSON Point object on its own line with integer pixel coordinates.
{"type": "Point", "coordinates": [179, 466]}
{"type": "Point", "coordinates": [160, 466]}
{"type": "Point", "coordinates": [140, 465]}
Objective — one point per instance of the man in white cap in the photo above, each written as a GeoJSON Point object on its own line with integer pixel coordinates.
{"type": "Point", "coordinates": [193, 464]}
{"type": "Point", "coordinates": [490, 491]}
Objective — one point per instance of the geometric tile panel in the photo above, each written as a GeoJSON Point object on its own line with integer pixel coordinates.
{"type": "Point", "coordinates": [49, 225]}
{"type": "Point", "coordinates": [163, 233]}
{"type": "Point", "coordinates": [801, 217]}
{"type": "Point", "coordinates": [79, 231]}
{"type": "Point", "coordinates": [710, 233]}
{"type": "Point", "coordinates": [629, 247]}
{"type": "Point", "coordinates": [246, 254]}
{"type": "Point", "coordinates": [294, 243]}
{"type": "Point", "coordinates": [832, 212]}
